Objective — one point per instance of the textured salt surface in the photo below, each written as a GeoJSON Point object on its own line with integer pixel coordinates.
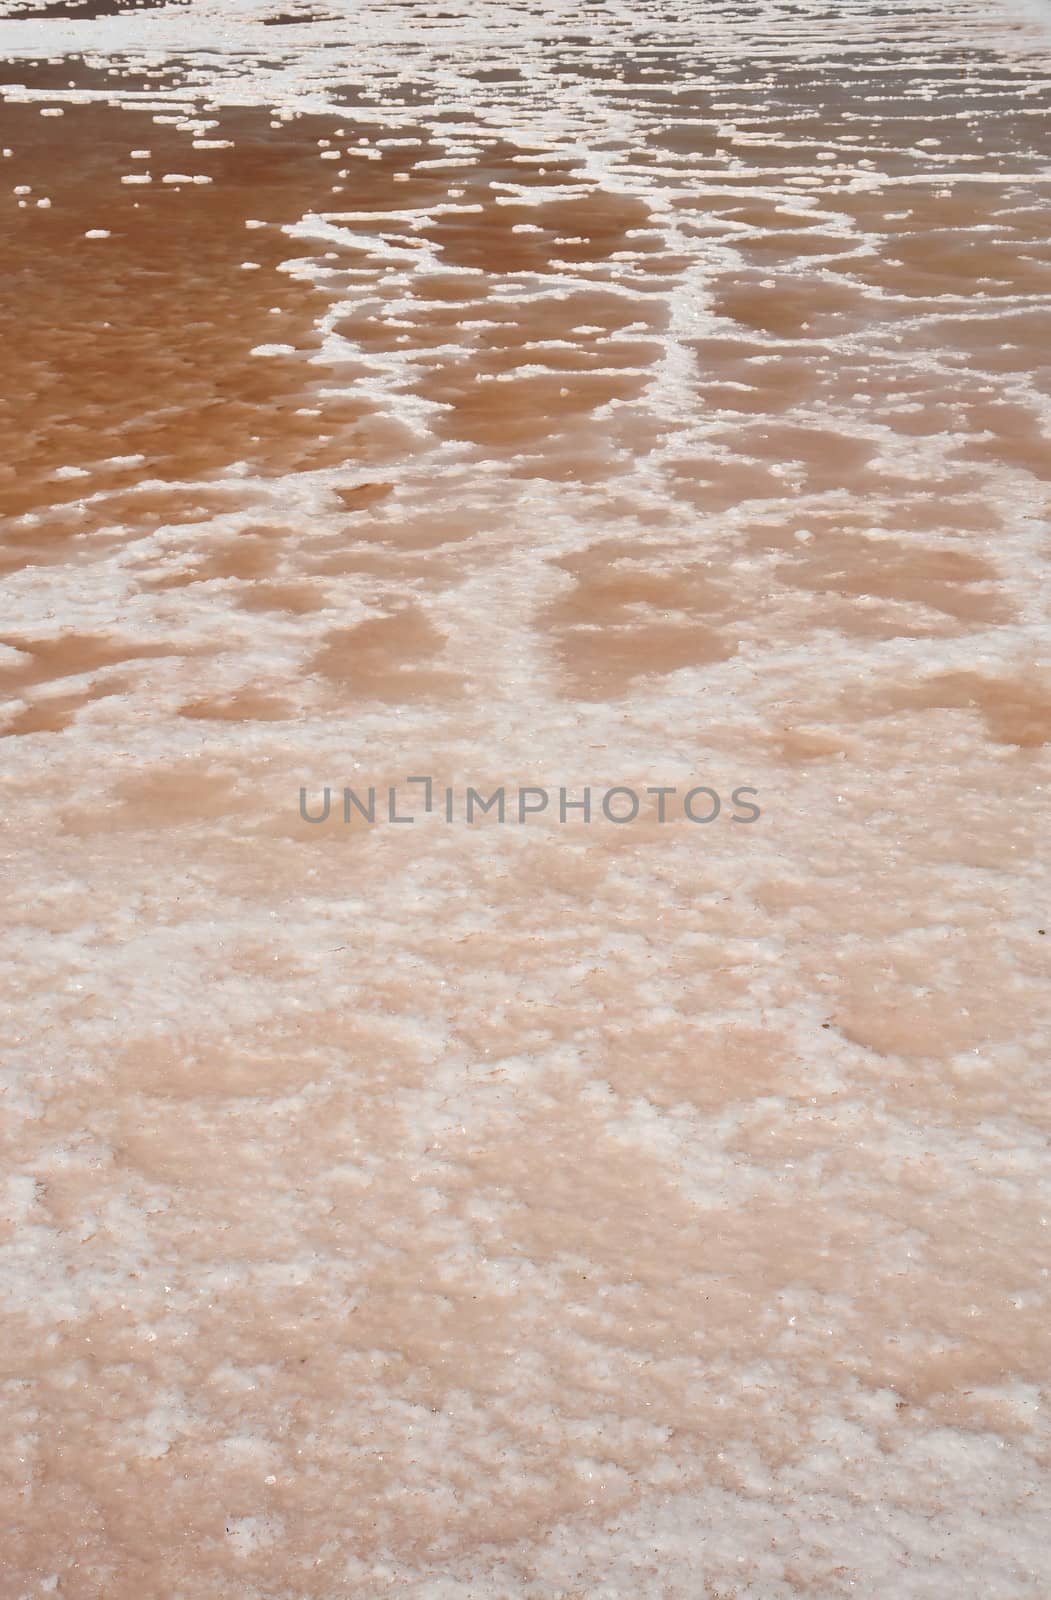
{"type": "Point", "coordinates": [565, 395]}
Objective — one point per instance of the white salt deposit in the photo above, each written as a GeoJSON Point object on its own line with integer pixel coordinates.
{"type": "Point", "coordinates": [537, 1208]}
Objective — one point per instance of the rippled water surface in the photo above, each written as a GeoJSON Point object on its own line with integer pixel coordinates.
{"type": "Point", "coordinates": [553, 396]}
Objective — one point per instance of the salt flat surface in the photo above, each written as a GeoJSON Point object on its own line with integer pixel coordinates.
{"type": "Point", "coordinates": [648, 396]}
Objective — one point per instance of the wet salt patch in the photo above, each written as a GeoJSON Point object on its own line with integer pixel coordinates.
{"type": "Point", "coordinates": [248, 1535]}
{"type": "Point", "coordinates": [432, 164]}
{"type": "Point", "coordinates": [560, 522]}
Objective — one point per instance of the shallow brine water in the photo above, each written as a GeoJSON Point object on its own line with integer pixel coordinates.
{"type": "Point", "coordinates": [630, 1176]}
